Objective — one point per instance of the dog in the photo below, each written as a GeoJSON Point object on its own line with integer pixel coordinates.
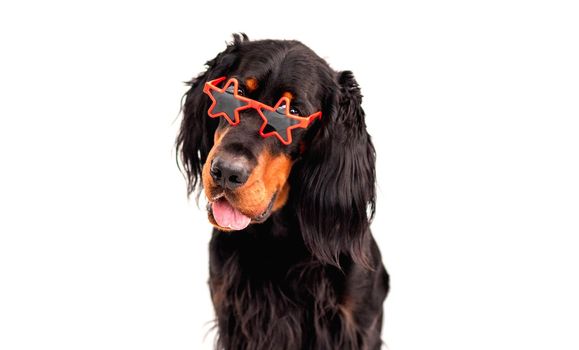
{"type": "Point", "coordinates": [277, 141]}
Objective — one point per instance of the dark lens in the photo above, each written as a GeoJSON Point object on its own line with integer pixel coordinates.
{"type": "Point", "coordinates": [279, 121]}
{"type": "Point", "coordinates": [226, 103]}
{"type": "Point", "coordinates": [294, 111]}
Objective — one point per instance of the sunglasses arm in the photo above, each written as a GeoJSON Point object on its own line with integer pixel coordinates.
{"type": "Point", "coordinates": [307, 121]}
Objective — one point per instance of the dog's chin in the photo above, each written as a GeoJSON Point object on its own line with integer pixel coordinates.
{"type": "Point", "coordinates": [226, 217]}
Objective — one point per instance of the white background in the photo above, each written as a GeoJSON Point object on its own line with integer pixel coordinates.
{"type": "Point", "coordinates": [474, 110]}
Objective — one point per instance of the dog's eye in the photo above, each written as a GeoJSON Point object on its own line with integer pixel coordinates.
{"type": "Point", "coordinates": [294, 111]}
{"type": "Point", "coordinates": [281, 110]}
{"type": "Point", "coordinates": [231, 88]}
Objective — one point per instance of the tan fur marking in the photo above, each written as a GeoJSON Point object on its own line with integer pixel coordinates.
{"type": "Point", "coordinates": [218, 136]}
{"type": "Point", "coordinates": [205, 172]}
{"type": "Point", "coordinates": [270, 175]}
{"type": "Point", "coordinates": [251, 84]}
{"type": "Point", "coordinates": [282, 197]}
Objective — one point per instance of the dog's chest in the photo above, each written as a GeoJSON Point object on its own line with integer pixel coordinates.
{"type": "Point", "coordinates": [260, 295]}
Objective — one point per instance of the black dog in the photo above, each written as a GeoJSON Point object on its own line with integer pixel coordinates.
{"type": "Point", "coordinates": [301, 270]}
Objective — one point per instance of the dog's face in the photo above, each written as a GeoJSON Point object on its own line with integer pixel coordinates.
{"type": "Point", "coordinates": [245, 176]}
{"type": "Point", "coordinates": [327, 169]}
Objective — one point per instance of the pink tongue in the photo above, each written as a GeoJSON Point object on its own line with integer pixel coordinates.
{"type": "Point", "coordinates": [228, 216]}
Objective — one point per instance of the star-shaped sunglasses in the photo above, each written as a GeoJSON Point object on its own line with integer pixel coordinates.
{"type": "Point", "coordinates": [227, 103]}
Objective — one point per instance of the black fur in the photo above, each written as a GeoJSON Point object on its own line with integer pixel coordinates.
{"type": "Point", "coordinates": [310, 276]}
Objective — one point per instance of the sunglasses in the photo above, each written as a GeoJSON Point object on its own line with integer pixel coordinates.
{"type": "Point", "coordinates": [277, 120]}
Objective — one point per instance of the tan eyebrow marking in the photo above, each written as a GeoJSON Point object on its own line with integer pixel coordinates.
{"type": "Point", "coordinates": [251, 84]}
{"type": "Point", "coordinates": [288, 94]}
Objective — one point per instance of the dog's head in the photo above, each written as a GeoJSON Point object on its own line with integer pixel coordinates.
{"type": "Point", "coordinates": [326, 173]}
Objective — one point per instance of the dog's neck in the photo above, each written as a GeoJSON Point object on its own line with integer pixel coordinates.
{"type": "Point", "coordinates": [281, 225]}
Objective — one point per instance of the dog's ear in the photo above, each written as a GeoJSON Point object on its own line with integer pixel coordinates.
{"type": "Point", "coordinates": [335, 184]}
{"type": "Point", "coordinates": [195, 138]}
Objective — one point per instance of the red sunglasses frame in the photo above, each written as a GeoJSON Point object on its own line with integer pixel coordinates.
{"type": "Point", "coordinates": [304, 122]}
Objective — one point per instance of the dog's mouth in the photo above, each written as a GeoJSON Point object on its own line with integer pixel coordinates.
{"type": "Point", "coordinates": [228, 217]}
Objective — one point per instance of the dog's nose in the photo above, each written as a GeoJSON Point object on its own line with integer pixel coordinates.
{"type": "Point", "coordinates": [229, 173]}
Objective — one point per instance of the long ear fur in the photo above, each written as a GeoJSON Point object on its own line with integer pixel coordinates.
{"type": "Point", "coordinates": [195, 137]}
{"type": "Point", "coordinates": [336, 179]}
